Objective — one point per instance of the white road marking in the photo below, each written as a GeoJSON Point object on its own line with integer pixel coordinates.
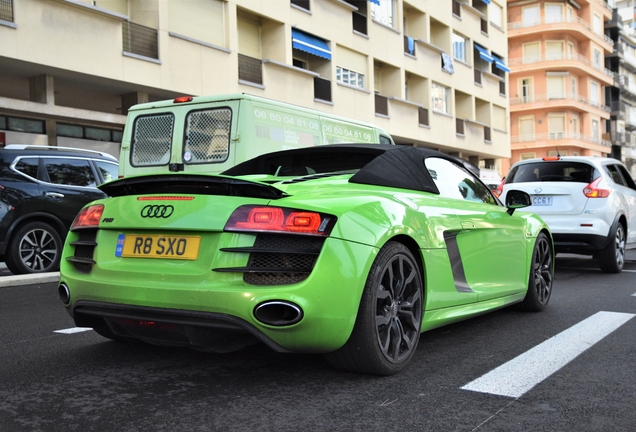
{"type": "Point", "coordinates": [522, 373]}
{"type": "Point", "coordinates": [73, 330]}
{"type": "Point", "coordinates": [629, 271]}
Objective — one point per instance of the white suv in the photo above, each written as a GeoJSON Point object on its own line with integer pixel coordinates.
{"type": "Point", "coordinates": [589, 203]}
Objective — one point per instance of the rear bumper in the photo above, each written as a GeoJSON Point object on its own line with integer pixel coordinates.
{"type": "Point", "coordinates": [585, 244]}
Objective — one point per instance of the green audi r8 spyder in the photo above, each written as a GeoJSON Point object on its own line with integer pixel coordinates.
{"type": "Point", "coordinates": [346, 250]}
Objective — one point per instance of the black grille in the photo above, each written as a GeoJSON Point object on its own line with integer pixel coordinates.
{"type": "Point", "coordinates": [6, 10]}
{"type": "Point", "coordinates": [250, 69]}
{"type": "Point", "coordinates": [85, 245]}
{"type": "Point", "coordinates": [278, 259]}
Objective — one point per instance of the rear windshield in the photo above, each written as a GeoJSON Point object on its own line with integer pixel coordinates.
{"type": "Point", "coordinates": [562, 171]}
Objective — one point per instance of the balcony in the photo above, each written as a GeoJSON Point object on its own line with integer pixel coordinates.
{"type": "Point", "coordinates": [628, 88]}
{"type": "Point", "coordinates": [550, 100]}
{"type": "Point", "coordinates": [140, 40]}
{"type": "Point", "coordinates": [559, 24]}
{"type": "Point", "coordinates": [559, 136]}
{"type": "Point", "coordinates": [563, 61]}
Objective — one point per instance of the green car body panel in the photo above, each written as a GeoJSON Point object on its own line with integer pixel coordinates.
{"type": "Point", "coordinates": [495, 249]}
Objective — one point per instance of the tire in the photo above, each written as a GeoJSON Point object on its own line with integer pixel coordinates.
{"type": "Point", "coordinates": [387, 328]}
{"type": "Point", "coordinates": [35, 248]}
{"type": "Point", "coordinates": [612, 258]}
{"type": "Point", "coordinates": [541, 276]}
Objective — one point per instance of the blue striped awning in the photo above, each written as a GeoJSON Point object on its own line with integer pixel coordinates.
{"type": "Point", "coordinates": [486, 1]}
{"type": "Point", "coordinates": [499, 64]}
{"type": "Point", "coordinates": [484, 54]}
{"type": "Point", "coordinates": [310, 44]}
{"type": "Point", "coordinates": [375, 1]}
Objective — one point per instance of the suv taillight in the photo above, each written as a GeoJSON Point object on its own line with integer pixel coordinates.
{"type": "Point", "coordinates": [592, 190]}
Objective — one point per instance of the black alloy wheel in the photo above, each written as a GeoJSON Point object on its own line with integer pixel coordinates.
{"type": "Point", "coordinates": [387, 329]}
{"type": "Point", "coordinates": [541, 275]}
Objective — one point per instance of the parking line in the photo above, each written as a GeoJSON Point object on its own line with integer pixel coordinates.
{"type": "Point", "coordinates": [73, 330]}
{"type": "Point", "coordinates": [522, 373]}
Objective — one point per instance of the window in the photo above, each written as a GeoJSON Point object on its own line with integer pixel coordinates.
{"type": "Point", "coordinates": [526, 90]}
{"type": "Point", "coordinates": [597, 24]}
{"type": "Point", "coordinates": [350, 77]}
{"type": "Point", "coordinates": [496, 15]}
{"type": "Point", "coordinates": [595, 130]}
{"type": "Point", "coordinates": [597, 58]}
{"type": "Point", "coordinates": [556, 126]}
{"type": "Point", "coordinates": [553, 13]}
{"type": "Point", "coordinates": [109, 170]}
{"type": "Point", "coordinates": [384, 12]}
{"type": "Point", "coordinates": [615, 174]}
{"type": "Point", "coordinates": [530, 16]}
{"type": "Point", "coordinates": [571, 51]}
{"type": "Point", "coordinates": [554, 50]}
{"type": "Point", "coordinates": [526, 128]}
{"type": "Point", "coordinates": [457, 183]}
{"type": "Point", "coordinates": [441, 98]}
{"type": "Point", "coordinates": [301, 3]}
{"type": "Point", "coordinates": [574, 88]}
{"type": "Point", "coordinates": [594, 94]}
{"type": "Point", "coordinates": [526, 156]}
{"type": "Point", "coordinates": [532, 52]}
{"type": "Point", "coordinates": [556, 87]}
{"type": "Point", "coordinates": [460, 45]}
{"type": "Point", "coordinates": [67, 171]}
{"type": "Point", "coordinates": [28, 166]}
{"type": "Point", "coordinates": [499, 118]}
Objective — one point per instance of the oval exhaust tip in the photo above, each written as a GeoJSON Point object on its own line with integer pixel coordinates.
{"type": "Point", "coordinates": [278, 313]}
{"type": "Point", "coordinates": [64, 293]}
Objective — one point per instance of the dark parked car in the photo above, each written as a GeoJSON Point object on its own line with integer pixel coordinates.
{"type": "Point", "coordinates": [41, 191]}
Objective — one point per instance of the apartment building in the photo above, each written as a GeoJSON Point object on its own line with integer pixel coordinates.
{"type": "Point", "coordinates": [558, 77]}
{"type": "Point", "coordinates": [431, 72]}
{"type": "Point", "coordinates": [621, 97]}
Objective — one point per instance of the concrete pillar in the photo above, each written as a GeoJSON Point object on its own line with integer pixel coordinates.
{"type": "Point", "coordinates": [130, 99]}
{"type": "Point", "coordinates": [42, 89]}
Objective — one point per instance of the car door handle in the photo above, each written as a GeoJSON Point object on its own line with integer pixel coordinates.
{"type": "Point", "coordinates": [53, 194]}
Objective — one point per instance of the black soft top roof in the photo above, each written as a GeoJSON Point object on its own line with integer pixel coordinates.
{"type": "Point", "coordinates": [376, 164]}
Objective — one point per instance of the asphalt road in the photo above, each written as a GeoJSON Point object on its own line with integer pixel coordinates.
{"type": "Point", "coordinates": [78, 381]}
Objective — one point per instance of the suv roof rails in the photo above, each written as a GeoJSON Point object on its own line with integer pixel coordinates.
{"type": "Point", "coordinates": [40, 147]}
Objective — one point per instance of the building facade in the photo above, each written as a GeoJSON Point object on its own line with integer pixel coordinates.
{"type": "Point", "coordinates": [558, 78]}
{"type": "Point", "coordinates": [431, 72]}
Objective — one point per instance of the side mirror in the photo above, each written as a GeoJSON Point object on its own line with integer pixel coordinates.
{"type": "Point", "coordinates": [516, 199]}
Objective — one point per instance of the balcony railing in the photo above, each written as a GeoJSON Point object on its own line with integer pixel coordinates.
{"type": "Point", "coordinates": [250, 69]}
{"type": "Point", "coordinates": [559, 57]}
{"type": "Point", "coordinates": [552, 136]}
{"type": "Point", "coordinates": [322, 89]}
{"type": "Point", "coordinates": [559, 20]}
{"type": "Point", "coordinates": [6, 10]}
{"type": "Point", "coordinates": [568, 97]}
{"type": "Point", "coordinates": [140, 40]}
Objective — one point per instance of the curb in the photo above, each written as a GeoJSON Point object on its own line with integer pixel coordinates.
{"type": "Point", "coordinates": [9, 281]}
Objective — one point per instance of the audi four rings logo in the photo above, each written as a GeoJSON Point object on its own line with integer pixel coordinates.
{"type": "Point", "coordinates": [157, 211]}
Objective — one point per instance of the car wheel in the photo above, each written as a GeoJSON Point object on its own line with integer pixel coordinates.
{"type": "Point", "coordinates": [387, 328]}
{"type": "Point", "coordinates": [541, 275]}
{"type": "Point", "coordinates": [612, 257]}
{"type": "Point", "coordinates": [35, 248]}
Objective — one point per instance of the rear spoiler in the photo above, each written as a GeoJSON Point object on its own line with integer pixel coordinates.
{"type": "Point", "coordinates": [190, 184]}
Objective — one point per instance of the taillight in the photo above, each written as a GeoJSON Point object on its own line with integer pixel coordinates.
{"type": "Point", "coordinates": [499, 189]}
{"type": "Point", "coordinates": [592, 190]}
{"type": "Point", "coordinates": [89, 217]}
{"type": "Point", "coordinates": [279, 219]}
{"type": "Point", "coordinates": [182, 99]}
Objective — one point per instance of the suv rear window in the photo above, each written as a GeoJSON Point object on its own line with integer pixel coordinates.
{"type": "Point", "coordinates": [564, 171]}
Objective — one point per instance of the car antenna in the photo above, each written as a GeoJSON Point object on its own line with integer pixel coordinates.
{"type": "Point", "coordinates": [558, 154]}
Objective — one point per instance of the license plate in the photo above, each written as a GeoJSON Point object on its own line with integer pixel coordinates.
{"type": "Point", "coordinates": [541, 201]}
{"type": "Point", "coordinates": [158, 246]}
